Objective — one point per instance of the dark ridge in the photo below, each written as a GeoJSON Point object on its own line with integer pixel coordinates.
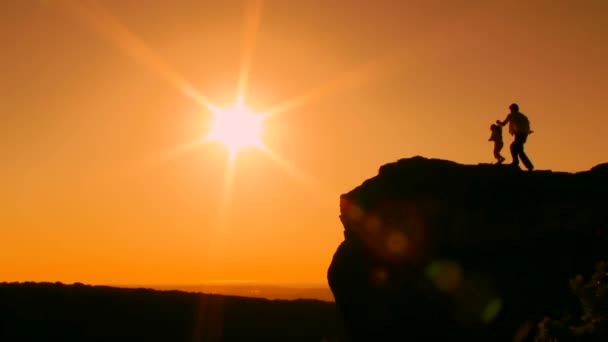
{"type": "Point", "coordinates": [57, 312]}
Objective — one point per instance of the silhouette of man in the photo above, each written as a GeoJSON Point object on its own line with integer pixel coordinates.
{"type": "Point", "coordinates": [519, 126]}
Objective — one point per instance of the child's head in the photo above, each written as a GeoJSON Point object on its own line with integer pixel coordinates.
{"type": "Point", "coordinates": [494, 127]}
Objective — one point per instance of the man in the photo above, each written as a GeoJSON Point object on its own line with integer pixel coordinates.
{"type": "Point", "coordinates": [519, 126]}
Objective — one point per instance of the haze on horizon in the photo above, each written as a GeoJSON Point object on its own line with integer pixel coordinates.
{"type": "Point", "coordinates": [100, 99]}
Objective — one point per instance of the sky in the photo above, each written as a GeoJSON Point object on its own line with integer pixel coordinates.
{"type": "Point", "coordinates": [99, 102]}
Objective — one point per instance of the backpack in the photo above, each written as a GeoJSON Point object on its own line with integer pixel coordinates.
{"type": "Point", "coordinates": [521, 124]}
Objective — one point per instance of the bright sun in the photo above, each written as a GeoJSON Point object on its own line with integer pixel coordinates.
{"type": "Point", "coordinates": [236, 128]}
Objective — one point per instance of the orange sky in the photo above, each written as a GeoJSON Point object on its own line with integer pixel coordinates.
{"type": "Point", "coordinates": [93, 102]}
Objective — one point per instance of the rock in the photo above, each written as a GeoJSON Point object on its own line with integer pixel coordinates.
{"type": "Point", "coordinates": [435, 249]}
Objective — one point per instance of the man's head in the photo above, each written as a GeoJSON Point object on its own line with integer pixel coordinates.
{"type": "Point", "coordinates": [514, 107]}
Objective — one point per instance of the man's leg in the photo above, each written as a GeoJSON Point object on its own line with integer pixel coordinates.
{"type": "Point", "coordinates": [515, 148]}
{"type": "Point", "coordinates": [526, 161]}
{"type": "Point", "coordinates": [522, 154]}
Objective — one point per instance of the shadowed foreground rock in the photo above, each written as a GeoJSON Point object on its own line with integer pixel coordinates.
{"type": "Point", "coordinates": [435, 249]}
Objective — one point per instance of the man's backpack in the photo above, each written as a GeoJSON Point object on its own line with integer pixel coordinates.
{"type": "Point", "coordinates": [521, 124]}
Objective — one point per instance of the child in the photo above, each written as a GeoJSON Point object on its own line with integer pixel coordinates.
{"type": "Point", "coordinates": [497, 138]}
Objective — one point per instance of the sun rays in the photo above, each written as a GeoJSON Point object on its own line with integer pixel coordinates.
{"type": "Point", "coordinates": [235, 127]}
{"type": "Point", "coordinates": [253, 13]}
{"type": "Point", "coordinates": [352, 77]}
{"type": "Point", "coordinates": [112, 30]}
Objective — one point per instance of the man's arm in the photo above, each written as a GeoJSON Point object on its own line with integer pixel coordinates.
{"type": "Point", "coordinates": [504, 122]}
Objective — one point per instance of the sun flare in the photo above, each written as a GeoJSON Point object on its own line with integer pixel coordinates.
{"type": "Point", "coordinates": [236, 128]}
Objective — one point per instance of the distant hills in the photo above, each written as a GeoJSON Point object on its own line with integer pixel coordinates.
{"type": "Point", "coordinates": [255, 290]}
{"type": "Point", "coordinates": [57, 312]}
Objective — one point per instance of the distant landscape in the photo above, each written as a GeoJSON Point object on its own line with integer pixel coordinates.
{"type": "Point", "coordinates": [251, 289]}
{"type": "Point", "coordinates": [78, 312]}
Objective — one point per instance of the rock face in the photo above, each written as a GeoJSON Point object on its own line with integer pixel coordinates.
{"type": "Point", "coordinates": [434, 249]}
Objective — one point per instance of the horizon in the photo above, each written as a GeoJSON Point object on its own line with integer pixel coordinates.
{"type": "Point", "coordinates": [271, 291]}
{"type": "Point", "coordinates": [236, 283]}
{"type": "Point", "coordinates": [294, 285]}
{"type": "Point", "coordinates": [128, 141]}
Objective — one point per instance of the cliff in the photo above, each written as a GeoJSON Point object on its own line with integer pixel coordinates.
{"type": "Point", "coordinates": [436, 249]}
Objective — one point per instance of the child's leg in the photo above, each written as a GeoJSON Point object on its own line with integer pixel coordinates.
{"type": "Point", "coordinates": [497, 147]}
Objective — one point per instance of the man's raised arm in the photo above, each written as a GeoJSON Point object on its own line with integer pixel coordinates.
{"type": "Point", "coordinates": [504, 122]}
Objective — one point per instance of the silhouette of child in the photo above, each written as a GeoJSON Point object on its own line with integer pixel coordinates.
{"type": "Point", "coordinates": [498, 143]}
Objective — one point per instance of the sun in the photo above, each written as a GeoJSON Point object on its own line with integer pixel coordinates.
{"type": "Point", "coordinates": [236, 128]}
